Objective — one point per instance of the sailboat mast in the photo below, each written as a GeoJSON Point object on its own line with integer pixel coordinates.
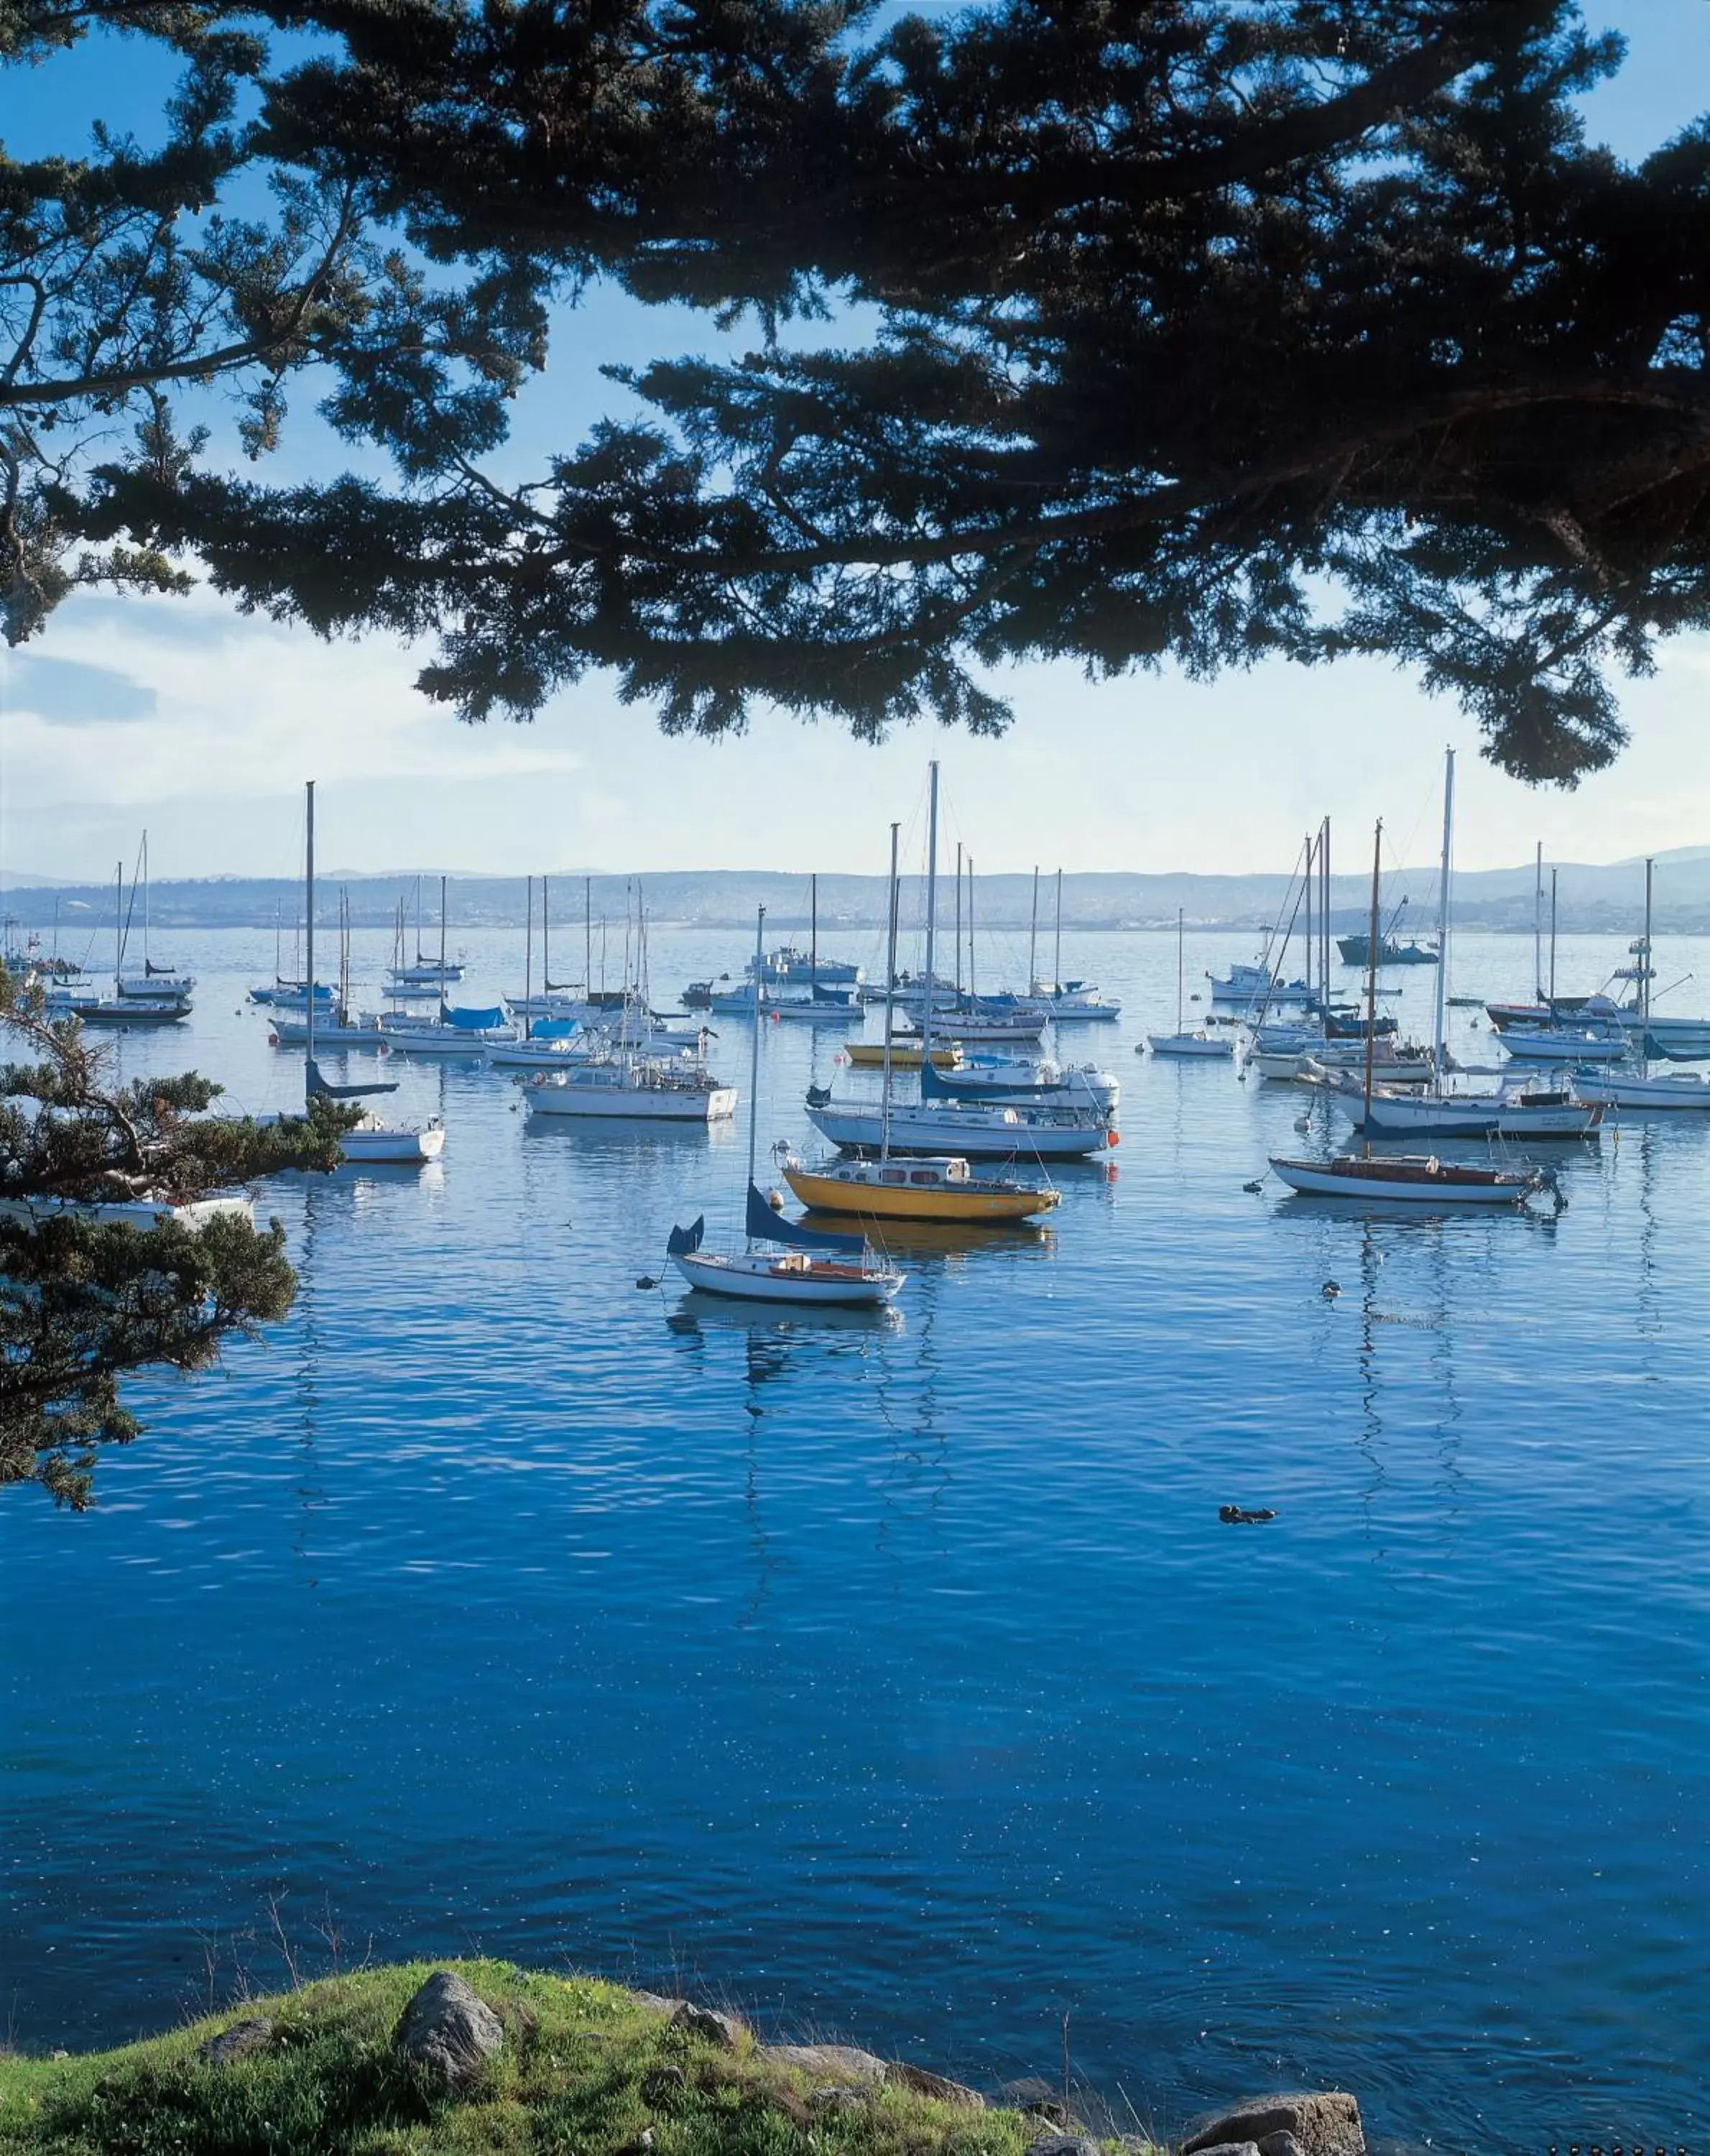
{"type": "Point", "coordinates": [973, 996]}
{"type": "Point", "coordinates": [1033, 941]}
{"type": "Point", "coordinates": [813, 933]}
{"type": "Point", "coordinates": [1324, 909]}
{"type": "Point", "coordinates": [1056, 950]}
{"type": "Point", "coordinates": [441, 951]}
{"type": "Point", "coordinates": [759, 949]}
{"type": "Point", "coordinates": [1311, 870]}
{"type": "Point", "coordinates": [1554, 874]}
{"type": "Point", "coordinates": [545, 944]}
{"type": "Point", "coordinates": [1371, 983]}
{"type": "Point", "coordinates": [1645, 961]}
{"type": "Point", "coordinates": [1179, 933]}
{"type": "Point", "coordinates": [890, 1005]}
{"type": "Point", "coordinates": [309, 943]}
{"type": "Point", "coordinates": [931, 908]}
{"type": "Point", "coordinates": [529, 961]}
{"type": "Point", "coordinates": [587, 939]}
{"type": "Point", "coordinates": [1440, 1009]}
{"type": "Point", "coordinates": [1538, 924]}
{"type": "Point", "coordinates": [959, 924]}
{"type": "Point", "coordinates": [145, 906]}
{"type": "Point", "coordinates": [118, 925]}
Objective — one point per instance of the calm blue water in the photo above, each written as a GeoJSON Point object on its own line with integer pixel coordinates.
{"type": "Point", "coordinates": [899, 1677]}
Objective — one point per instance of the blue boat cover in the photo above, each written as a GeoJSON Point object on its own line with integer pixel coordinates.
{"type": "Point", "coordinates": [554, 1029]}
{"type": "Point", "coordinates": [685, 1242]}
{"type": "Point", "coordinates": [767, 1225]}
{"type": "Point", "coordinates": [935, 1085]}
{"type": "Point", "coordinates": [475, 1021]}
{"type": "Point", "coordinates": [316, 1084]}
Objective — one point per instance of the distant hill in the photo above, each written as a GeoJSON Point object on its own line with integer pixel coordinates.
{"type": "Point", "coordinates": [1600, 897]}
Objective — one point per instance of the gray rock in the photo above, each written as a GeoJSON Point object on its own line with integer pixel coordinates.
{"type": "Point", "coordinates": [1324, 2122]}
{"type": "Point", "coordinates": [1063, 2144]}
{"type": "Point", "coordinates": [921, 2080]}
{"type": "Point", "coordinates": [832, 2098]}
{"type": "Point", "coordinates": [447, 2032]}
{"type": "Point", "coordinates": [724, 2029]}
{"type": "Point", "coordinates": [660, 2003]}
{"type": "Point", "coordinates": [1280, 2144]}
{"type": "Point", "coordinates": [242, 2041]}
{"type": "Point", "coordinates": [841, 2061]}
{"type": "Point", "coordinates": [1232, 2148]}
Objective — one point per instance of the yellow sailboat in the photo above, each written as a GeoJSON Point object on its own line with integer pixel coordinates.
{"type": "Point", "coordinates": [905, 1054]}
{"type": "Point", "coordinates": [937, 1189]}
{"type": "Point", "coordinates": [937, 1186]}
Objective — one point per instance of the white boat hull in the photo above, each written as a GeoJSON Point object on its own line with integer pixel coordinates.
{"type": "Point", "coordinates": [379, 1144]}
{"type": "Point", "coordinates": [1186, 1044]}
{"type": "Point", "coordinates": [143, 1213]}
{"type": "Point", "coordinates": [977, 1130]}
{"type": "Point", "coordinates": [1689, 1092]}
{"type": "Point", "coordinates": [644, 1105]}
{"type": "Point", "coordinates": [1319, 1179]}
{"type": "Point", "coordinates": [1422, 1117]}
{"type": "Point", "coordinates": [754, 1276]}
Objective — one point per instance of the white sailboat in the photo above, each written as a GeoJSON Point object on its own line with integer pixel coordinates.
{"type": "Point", "coordinates": [373, 1141]}
{"type": "Point", "coordinates": [813, 1265]}
{"type": "Point", "coordinates": [1637, 1091]}
{"type": "Point", "coordinates": [124, 1007]}
{"type": "Point", "coordinates": [1432, 1110]}
{"type": "Point", "coordinates": [1403, 1179]}
{"type": "Point", "coordinates": [973, 1130]}
{"type": "Point", "coordinates": [1186, 1040]}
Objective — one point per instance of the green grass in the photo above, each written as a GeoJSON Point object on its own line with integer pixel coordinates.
{"type": "Point", "coordinates": [572, 2081]}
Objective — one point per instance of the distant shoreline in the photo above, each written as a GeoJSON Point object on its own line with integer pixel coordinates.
{"type": "Point", "coordinates": [1594, 901]}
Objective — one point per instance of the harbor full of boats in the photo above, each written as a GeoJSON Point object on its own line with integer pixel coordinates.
{"type": "Point", "coordinates": [948, 1084]}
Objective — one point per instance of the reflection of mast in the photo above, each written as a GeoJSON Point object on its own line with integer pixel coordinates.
{"type": "Point", "coordinates": [310, 1495]}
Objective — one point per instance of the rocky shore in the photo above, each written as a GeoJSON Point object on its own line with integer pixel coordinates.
{"type": "Point", "coordinates": [480, 2058]}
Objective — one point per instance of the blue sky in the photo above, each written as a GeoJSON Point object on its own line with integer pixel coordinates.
{"type": "Point", "coordinates": [185, 716]}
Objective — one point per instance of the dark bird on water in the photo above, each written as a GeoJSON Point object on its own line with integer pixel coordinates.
{"type": "Point", "coordinates": [645, 1279]}
{"type": "Point", "coordinates": [1330, 1290]}
{"type": "Point", "coordinates": [1238, 1515]}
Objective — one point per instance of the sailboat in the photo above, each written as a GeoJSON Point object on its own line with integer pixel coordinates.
{"type": "Point", "coordinates": [937, 1188]}
{"type": "Point", "coordinates": [126, 1007]}
{"type": "Point", "coordinates": [812, 1266]}
{"type": "Point", "coordinates": [372, 1141]}
{"type": "Point", "coordinates": [1186, 1040]}
{"type": "Point", "coordinates": [1406, 1179]}
{"type": "Point", "coordinates": [984, 1129]}
{"type": "Point", "coordinates": [824, 1002]}
{"type": "Point", "coordinates": [1067, 1002]}
{"type": "Point", "coordinates": [427, 974]}
{"type": "Point", "coordinates": [1637, 1091]}
{"type": "Point", "coordinates": [155, 983]}
{"type": "Point", "coordinates": [1431, 1110]}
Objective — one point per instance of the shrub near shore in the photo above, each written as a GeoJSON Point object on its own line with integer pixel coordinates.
{"type": "Point", "coordinates": [584, 2067]}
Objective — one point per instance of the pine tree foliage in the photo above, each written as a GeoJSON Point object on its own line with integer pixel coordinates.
{"type": "Point", "coordinates": [86, 1302]}
{"type": "Point", "coordinates": [1175, 331]}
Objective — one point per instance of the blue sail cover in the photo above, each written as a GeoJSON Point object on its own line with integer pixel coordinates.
{"type": "Point", "coordinates": [766, 1225]}
{"type": "Point", "coordinates": [475, 1021]}
{"type": "Point", "coordinates": [936, 1086]}
{"type": "Point", "coordinates": [685, 1242]}
{"type": "Point", "coordinates": [317, 1085]}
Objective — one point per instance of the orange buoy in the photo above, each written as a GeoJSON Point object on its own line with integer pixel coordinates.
{"type": "Point", "coordinates": [1113, 1137]}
